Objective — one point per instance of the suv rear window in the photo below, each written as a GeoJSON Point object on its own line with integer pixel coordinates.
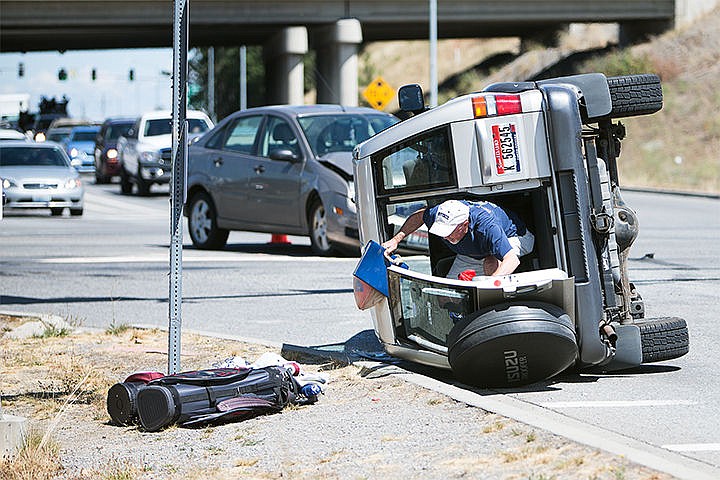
{"type": "Point", "coordinates": [423, 162]}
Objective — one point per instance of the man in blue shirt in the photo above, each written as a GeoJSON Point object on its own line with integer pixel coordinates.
{"type": "Point", "coordinates": [485, 237]}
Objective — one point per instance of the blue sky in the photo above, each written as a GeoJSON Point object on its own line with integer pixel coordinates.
{"type": "Point", "coordinates": [111, 94]}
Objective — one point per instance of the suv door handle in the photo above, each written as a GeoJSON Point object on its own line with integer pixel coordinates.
{"type": "Point", "coordinates": [218, 161]}
{"type": "Point", "coordinates": [259, 169]}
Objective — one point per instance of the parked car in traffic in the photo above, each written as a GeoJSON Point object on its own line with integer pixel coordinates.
{"type": "Point", "coordinates": [107, 163]}
{"type": "Point", "coordinates": [280, 170]}
{"type": "Point", "coordinates": [145, 152]}
{"type": "Point", "coordinates": [80, 147]}
{"type": "Point", "coordinates": [39, 175]}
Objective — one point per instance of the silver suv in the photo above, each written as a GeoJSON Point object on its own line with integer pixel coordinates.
{"type": "Point", "coordinates": [546, 150]}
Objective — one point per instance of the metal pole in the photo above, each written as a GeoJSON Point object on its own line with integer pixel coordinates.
{"type": "Point", "coordinates": [243, 77]}
{"type": "Point", "coordinates": [433, 54]}
{"type": "Point", "coordinates": [211, 83]}
{"type": "Point", "coordinates": [177, 185]}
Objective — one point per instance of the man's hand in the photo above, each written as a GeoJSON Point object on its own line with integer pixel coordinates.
{"type": "Point", "coordinates": [390, 246]}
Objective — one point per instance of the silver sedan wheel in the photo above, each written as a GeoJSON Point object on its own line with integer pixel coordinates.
{"type": "Point", "coordinates": [319, 229]}
{"type": "Point", "coordinates": [201, 221]}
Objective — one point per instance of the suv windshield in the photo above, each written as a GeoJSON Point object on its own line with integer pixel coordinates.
{"type": "Point", "coordinates": [341, 132]}
{"type": "Point", "coordinates": [163, 126]}
{"type": "Point", "coordinates": [118, 130]}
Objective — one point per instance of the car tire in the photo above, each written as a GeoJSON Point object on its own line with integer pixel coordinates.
{"type": "Point", "coordinates": [202, 224]}
{"type": "Point", "coordinates": [663, 339]}
{"type": "Point", "coordinates": [510, 345]}
{"type": "Point", "coordinates": [76, 212]}
{"type": "Point", "coordinates": [101, 179]}
{"type": "Point", "coordinates": [126, 185]}
{"type": "Point", "coordinates": [56, 212]}
{"type": "Point", "coordinates": [317, 229]}
{"type": "Point", "coordinates": [634, 95]}
{"type": "Point", "coordinates": [143, 187]}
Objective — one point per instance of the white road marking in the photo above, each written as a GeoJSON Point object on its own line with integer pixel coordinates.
{"type": "Point", "coordinates": [164, 258]}
{"type": "Point", "coordinates": [693, 447]}
{"type": "Point", "coordinates": [617, 403]}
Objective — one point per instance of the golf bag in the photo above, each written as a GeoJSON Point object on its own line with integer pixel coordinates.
{"type": "Point", "coordinates": [201, 397]}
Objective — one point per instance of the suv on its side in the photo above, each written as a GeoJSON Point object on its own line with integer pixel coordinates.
{"type": "Point", "coordinates": [546, 150]}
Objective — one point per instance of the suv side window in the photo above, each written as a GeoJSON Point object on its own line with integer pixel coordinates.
{"type": "Point", "coordinates": [278, 135]}
{"type": "Point", "coordinates": [242, 135]}
{"type": "Point", "coordinates": [423, 162]}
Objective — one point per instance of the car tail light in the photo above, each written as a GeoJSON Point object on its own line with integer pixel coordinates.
{"type": "Point", "coordinates": [496, 105]}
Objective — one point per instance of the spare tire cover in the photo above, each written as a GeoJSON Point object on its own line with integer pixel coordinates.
{"type": "Point", "coordinates": [509, 345]}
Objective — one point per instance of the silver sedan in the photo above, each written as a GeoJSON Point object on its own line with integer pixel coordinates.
{"type": "Point", "coordinates": [39, 175]}
{"type": "Point", "coordinates": [282, 170]}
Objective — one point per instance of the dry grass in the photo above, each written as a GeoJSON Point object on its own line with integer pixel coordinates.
{"type": "Point", "coordinates": [60, 385]}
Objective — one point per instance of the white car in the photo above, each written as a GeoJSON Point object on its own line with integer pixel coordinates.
{"type": "Point", "coordinates": [145, 153]}
{"type": "Point", "coordinates": [39, 176]}
{"type": "Point", "coordinates": [548, 151]}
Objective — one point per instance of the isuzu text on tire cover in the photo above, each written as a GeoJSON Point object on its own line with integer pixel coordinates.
{"type": "Point", "coordinates": [548, 151]}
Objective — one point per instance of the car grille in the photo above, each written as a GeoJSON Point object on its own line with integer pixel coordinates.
{"type": "Point", "coordinates": [39, 186]}
{"type": "Point", "coordinates": [166, 155]}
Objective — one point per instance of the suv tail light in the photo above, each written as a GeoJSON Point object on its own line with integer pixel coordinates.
{"type": "Point", "coordinates": [496, 105]}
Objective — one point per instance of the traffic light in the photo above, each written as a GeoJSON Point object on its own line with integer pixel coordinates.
{"type": "Point", "coordinates": [62, 74]}
{"type": "Point", "coordinates": [131, 75]}
{"type": "Point", "coordinates": [21, 70]}
{"type": "Point", "coordinates": [93, 75]}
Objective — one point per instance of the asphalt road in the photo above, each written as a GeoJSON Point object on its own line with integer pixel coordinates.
{"type": "Point", "coordinates": [111, 267]}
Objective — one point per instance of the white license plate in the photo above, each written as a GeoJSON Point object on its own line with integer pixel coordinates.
{"type": "Point", "coordinates": [505, 148]}
{"type": "Point", "coordinates": [41, 198]}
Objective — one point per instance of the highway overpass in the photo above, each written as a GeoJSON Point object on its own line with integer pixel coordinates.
{"type": "Point", "coordinates": [288, 28]}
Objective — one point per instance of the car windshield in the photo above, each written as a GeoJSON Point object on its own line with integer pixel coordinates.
{"type": "Point", "coordinates": [87, 136]}
{"type": "Point", "coordinates": [114, 132]}
{"type": "Point", "coordinates": [342, 132]}
{"type": "Point", "coordinates": [31, 157]}
{"type": "Point", "coordinates": [57, 136]}
{"type": "Point", "coordinates": [163, 126]}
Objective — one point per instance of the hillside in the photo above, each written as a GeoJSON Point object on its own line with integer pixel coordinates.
{"type": "Point", "coordinates": [677, 148]}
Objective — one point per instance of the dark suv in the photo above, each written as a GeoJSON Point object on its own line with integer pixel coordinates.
{"type": "Point", "coordinates": [107, 163]}
{"type": "Point", "coordinates": [546, 150]}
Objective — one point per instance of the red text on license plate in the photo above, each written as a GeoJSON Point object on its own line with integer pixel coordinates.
{"type": "Point", "coordinates": [505, 148]}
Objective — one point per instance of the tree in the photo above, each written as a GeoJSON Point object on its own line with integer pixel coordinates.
{"type": "Point", "coordinates": [227, 79]}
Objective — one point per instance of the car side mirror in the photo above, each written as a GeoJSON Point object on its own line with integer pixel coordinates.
{"type": "Point", "coordinates": [410, 98]}
{"type": "Point", "coordinates": [284, 154]}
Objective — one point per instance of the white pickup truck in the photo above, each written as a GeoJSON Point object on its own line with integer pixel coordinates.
{"type": "Point", "coordinates": [145, 153]}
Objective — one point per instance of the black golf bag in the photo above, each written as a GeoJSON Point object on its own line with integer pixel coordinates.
{"type": "Point", "coordinates": [201, 397]}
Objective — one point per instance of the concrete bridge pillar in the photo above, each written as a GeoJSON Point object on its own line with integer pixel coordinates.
{"type": "Point", "coordinates": [284, 71]}
{"type": "Point", "coordinates": [337, 63]}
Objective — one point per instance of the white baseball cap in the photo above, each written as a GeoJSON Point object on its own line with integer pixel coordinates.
{"type": "Point", "coordinates": [450, 214]}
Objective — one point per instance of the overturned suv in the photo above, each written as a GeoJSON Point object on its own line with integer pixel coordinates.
{"type": "Point", "coordinates": [546, 150]}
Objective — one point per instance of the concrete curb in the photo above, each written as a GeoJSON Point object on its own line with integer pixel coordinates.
{"type": "Point", "coordinates": [635, 451]}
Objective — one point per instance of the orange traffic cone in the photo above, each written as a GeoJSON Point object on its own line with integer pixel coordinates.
{"type": "Point", "coordinates": [279, 238]}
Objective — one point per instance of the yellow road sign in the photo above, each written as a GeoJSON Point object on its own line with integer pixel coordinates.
{"type": "Point", "coordinates": [378, 93]}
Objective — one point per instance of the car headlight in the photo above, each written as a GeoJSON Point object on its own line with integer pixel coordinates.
{"type": "Point", "coordinates": [71, 183]}
{"type": "Point", "coordinates": [111, 153]}
{"type": "Point", "coordinates": [149, 157]}
{"type": "Point", "coordinates": [40, 137]}
{"type": "Point", "coordinates": [73, 152]}
{"type": "Point", "coordinates": [7, 183]}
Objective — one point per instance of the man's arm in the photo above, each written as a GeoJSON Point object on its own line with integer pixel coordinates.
{"type": "Point", "coordinates": [507, 265]}
{"type": "Point", "coordinates": [412, 223]}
